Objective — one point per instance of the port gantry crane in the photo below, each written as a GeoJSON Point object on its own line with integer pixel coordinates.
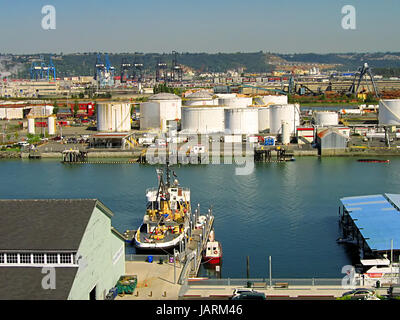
{"type": "Point", "coordinates": [176, 71]}
{"type": "Point", "coordinates": [362, 73]}
{"type": "Point", "coordinates": [137, 70]}
{"type": "Point", "coordinates": [125, 70]}
{"type": "Point", "coordinates": [41, 71]}
{"type": "Point", "coordinates": [104, 72]}
{"type": "Point", "coordinates": [99, 68]}
{"type": "Point", "coordinates": [161, 71]}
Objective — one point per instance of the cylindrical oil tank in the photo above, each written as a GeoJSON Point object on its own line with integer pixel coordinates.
{"type": "Point", "coordinates": [169, 108]}
{"type": "Point", "coordinates": [235, 102]}
{"type": "Point", "coordinates": [274, 99]}
{"type": "Point", "coordinates": [51, 124]}
{"type": "Point", "coordinates": [263, 118]}
{"type": "Point", "coordinates": [31, 125]}
{"type": "Point", "coordinates": [200, 98]}
{"type": "Point", "coordinates": [285, 112]}
{"type": "Point", "coordinates": [241, 120]}
{"type": "Point", "coordinates": [203, 120]}
{"type": "Point", "coordinates": [326, 118]}
{"type": "Point", "coordinates": [285, 132]}
{"type": "Point", "coordinates": [113, 117]}
{"type": "Point", "coordinates": [389, 112]}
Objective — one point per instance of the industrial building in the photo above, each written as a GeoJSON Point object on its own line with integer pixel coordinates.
{"type": "Point", "coordinates": [160, 109]}
{"type": "Point", "coordinates": [70, 239]}
{"type": "Point", "coordinates": [12, 111]}
{"type": "Point", "coordinates": [30, 89]}
{"type": "Point", "coordinates": [331, 141]}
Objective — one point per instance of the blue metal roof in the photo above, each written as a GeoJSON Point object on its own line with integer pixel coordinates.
{"type": "Point", "coordinates": [378, 219]}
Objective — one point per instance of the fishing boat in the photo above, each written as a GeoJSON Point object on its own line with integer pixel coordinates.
{"type": "Point", "coordinates": [374, 160]}
{"type": "Point", "coordinates": [168, 211]}
{"type": "Point", "coordinates": [213, 251]}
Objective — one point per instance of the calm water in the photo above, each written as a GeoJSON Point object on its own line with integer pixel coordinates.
{"type": "Point", "coordinates": [285, 210]}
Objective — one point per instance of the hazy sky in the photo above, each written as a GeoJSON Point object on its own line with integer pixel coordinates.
{"type": "Point", "coordinates": [284, 26]}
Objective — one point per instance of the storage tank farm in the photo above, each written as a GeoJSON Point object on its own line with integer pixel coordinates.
{"type": "Point", "coordinates": [389, 112]}
{"type": "Point", "coordinates": [113, 117]}
{"type": "Point", "coordinates": [237, 114]}
{"type": "Point", "coordinates": [158, 110]}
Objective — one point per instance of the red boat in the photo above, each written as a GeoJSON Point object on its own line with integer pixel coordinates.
{"type": "Point", "coordinates": [213, 252]}
{"type": "Point", "coordinates": [373, 160]}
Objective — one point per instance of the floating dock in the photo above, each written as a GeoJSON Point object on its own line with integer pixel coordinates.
{"type": "Point", "coordinates": [372, 223]}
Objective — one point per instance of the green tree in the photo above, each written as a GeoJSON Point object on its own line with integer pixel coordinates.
{"type": "Point", "coordinates": [56, 108]}
{"type": "Point", "coordinates": [76, 108]}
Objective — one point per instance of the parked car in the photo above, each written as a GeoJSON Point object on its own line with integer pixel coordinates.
{"type": "Point", "coordinates": [23, 143]}
{"type": "Point", "coordinates": [360, 293]}
{"type": "Point", "coordinates": [394, 291]}
{"type": "Point", "coordinates": [239, 291]}
{"type": "Point", "coordinates": [250, 296]}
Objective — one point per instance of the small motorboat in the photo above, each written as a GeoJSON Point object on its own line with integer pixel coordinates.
{"type": "Point", "coordinates": [213, 251]}
{"type": "Point", "coordinates": [374, 160]}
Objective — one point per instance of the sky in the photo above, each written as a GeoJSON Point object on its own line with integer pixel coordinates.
{"type": "Point", "coordinates": [278, 26]}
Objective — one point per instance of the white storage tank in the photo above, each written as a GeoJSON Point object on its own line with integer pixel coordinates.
{"type": "Point", "coordinates": [389, 112]}
{"type": "Point", "coordinates": [235, 102]}
{"type": "Point", "coordinates": [274, 99]}
{"type": "Point", "coordinates": [200, 98]}
{"type": "Point", "coordinates": [51, 124]}
{"type": "Point", "coordinates": [241, 120]}
{"type": "Point", "coordinates": [31, 125]}
{"type": "Point", "coordinates": [285, 132]}
{"type": "Point", "coordinates": [160, 109]}
{"type": "Point", "coordinates": [203, 120]}
{"type": "Point", "coordinates": [263, 118]}
{"type": "Point", "coordinates": [113, 117]}
{"type": "Point", "coordinates": [286, 112]}
{"type": "Point", "coordinates": [326, 118]}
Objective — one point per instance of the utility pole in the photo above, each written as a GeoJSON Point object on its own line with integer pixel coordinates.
{"type": "Point", "coordinates": [270, 271]}
{"type": "Point", "coordinates": [248, 271]}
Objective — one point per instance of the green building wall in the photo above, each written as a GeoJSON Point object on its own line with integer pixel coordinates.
{"type": "Point", "coordinates": [102, 258]}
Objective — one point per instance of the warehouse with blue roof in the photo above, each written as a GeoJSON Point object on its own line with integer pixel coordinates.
{"type": "Point", "coordinates": [373, 222]}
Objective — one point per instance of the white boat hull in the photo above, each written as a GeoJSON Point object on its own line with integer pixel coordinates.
{"type": "Point", "coordinates": [159, 245]}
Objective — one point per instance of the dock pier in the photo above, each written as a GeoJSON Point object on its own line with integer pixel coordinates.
{"type": "Point", "coordinates": [74, 156]}
{"type": "Point", "coordinates": [272, 155]}
{"type": "Point", "coordinates": [194, 244]}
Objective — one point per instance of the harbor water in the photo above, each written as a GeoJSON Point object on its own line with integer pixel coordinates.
{"type": "Point", "coordinates": [288, 211]}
